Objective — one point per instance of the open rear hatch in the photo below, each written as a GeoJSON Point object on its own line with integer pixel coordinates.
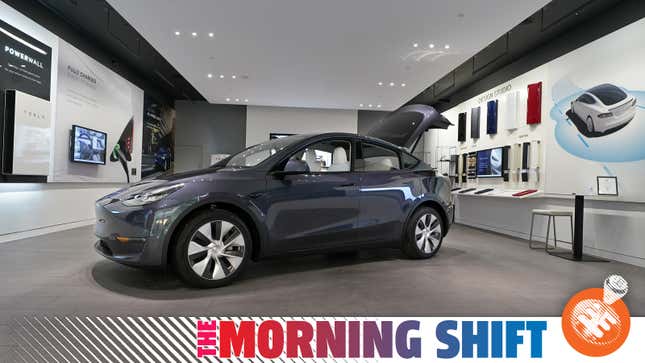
{"type": "Point", "coordinates": [405, 126]}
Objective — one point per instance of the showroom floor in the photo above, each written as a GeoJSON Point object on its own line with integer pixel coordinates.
{"type": "Point", "coordinates": [475, 273]}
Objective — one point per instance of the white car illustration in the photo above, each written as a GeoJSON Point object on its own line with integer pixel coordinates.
{"type": "Point", "coordinates": [604, 108]}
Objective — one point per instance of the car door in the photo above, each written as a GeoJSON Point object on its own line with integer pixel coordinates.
{"type": "Point", "coordinates": [386, 192]}
{"type": "Point", "coordinates": [388, 185]}
{"type": "Point", "coordinates": [317, 208]}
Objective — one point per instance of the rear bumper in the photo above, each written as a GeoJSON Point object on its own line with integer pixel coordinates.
{"type": "Point", "coordinates": [615, 121]}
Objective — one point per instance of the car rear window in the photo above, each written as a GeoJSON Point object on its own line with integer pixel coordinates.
{"type": "Point", "coordinates": [608, 94]}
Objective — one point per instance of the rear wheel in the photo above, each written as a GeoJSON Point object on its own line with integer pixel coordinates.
{"type": "Point", "coordinates": [424, 233]}
{"type": "Point", "coordinates": [212, 249]}
{"type": "Point", "coordinates": [590, 125]}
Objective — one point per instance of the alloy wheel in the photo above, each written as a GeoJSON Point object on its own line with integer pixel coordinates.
{"type": "Point", "coordinates": [216, 250]}
{"type": "Point", "coordinates": [427, 233]}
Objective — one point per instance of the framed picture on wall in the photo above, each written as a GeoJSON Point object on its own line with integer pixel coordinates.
{"type": "Point", "coordinates": [607, 185]}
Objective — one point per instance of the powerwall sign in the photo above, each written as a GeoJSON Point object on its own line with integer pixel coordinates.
{"type": "Point", "coordinates": [25, 63]}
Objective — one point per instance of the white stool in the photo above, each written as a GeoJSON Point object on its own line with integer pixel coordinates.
{"type": "Point", "coordinates": [551, 213]}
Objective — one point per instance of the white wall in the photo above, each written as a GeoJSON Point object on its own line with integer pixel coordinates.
{"type": "Point", "coordinates": [613, 226]}
{"type": "Point", "coordinates": [261, 121]}
{"type": "Point", "coordinates": [33, 209]}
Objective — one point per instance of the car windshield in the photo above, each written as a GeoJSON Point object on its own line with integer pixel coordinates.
{"type": "Point", "coordinates": [608, 94]}
{"type": "Point", "coordinates": [254, 155]}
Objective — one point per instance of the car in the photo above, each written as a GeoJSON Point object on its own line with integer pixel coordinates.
{"type": "Point", "coordinates": [297, 194]}
{"type": "Point", "coordinates": [604, 108]}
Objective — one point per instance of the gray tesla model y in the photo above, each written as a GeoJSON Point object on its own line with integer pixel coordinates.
{"type": "Point", "coordinates": [298, 194]}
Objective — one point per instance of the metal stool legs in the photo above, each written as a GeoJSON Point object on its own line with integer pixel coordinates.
{"type": "Point", "coordinates": [548, 231]}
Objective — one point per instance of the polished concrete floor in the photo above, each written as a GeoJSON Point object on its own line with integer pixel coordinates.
{"type": "Point", "coordinates": [476, 273]}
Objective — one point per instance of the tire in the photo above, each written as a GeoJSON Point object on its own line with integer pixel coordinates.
{"type": "Point", "coordinates": [590, 125]}
{"type": "Point", "coordinates": [420, 240]}
{"type": "Point", "coordinates": [215, 242]}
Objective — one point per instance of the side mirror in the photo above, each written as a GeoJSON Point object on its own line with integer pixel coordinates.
{"type": "Point", "coordinates": [293, 167]}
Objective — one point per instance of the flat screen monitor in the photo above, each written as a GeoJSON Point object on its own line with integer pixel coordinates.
{"type": "Point", "coordinates": [87, 145]}
{"type": "Point", "coordinates": [489, 163]}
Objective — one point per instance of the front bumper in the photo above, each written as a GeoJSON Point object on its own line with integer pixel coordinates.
{"type": "Point", "coordinates": [135, 236]}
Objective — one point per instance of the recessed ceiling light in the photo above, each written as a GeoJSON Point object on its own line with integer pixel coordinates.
{"type": "Point", "coordinates": [237, 100]}
{"type": "Point", "coordinates": [402, 84]}
{"type": "Point", "coordinates": [193, 34]}
{"type": "Point", "coordinates": [233, 76]}
{"type": "Point", "coordinates": [416, 45]}
{"type": "Point", "coordinates": [177, 33]}
{"type": "Point", "coordinates": [210, 75]}
{"type": "Point", "coordinates": [431, 45]}
{"type": "Point", "coordinates": [378, 106]}
{"type": "Point", "coordinates": [361, 105]}
{"type": "Point", "coordinates": [228, 100]}
{"type": "Point", "coordinates": [211, 35]}
{"type": "Point", "coordinates": [370, 105]}
{"type": "Point", "coordinates": [380, 83]}
{"type": "Point", "coordinates": [246, 100]}
{"type": "Point", "coordinates": [447, 46]}
{"type": "Point", "coordinates": [221, 76]}
{"type": "Point", "coordinates": [391, 84]}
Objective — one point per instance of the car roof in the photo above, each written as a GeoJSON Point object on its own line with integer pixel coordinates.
{"type": "Point", "coordinates": [355, 136]}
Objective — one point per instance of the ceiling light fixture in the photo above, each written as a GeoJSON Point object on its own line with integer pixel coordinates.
{"type": "Point", "coordinates": [402, 84]}
{"type": "Point", "coordinates": [378, 106]}
{"type": "Point", "coordinates": [380, 83]}
{"type": "Point", "coordinates": [361, 105]}
{"type": "Point", "coordinates": [234, 76]}
{"type": "Point", "coordinates": [237, 100]}
{"type": "Point", "coordinates": [431, 45]}
{"type": "Point", "coordinates": [211, 35]}
{"type": "Point", "coordinates": [193, 34]}
{"type": "Point", "coordinates": [416, 45]}
{"type": "Point", "coordinates": [370, 105]}
{"type": "Point", "coordinates": [221, 76]}
{"type": "Point", "coordinates": [246, 100]}
{"type": "Point", "coordinates": [391, 84]}
{"type": "Point", "coordinates": [447, 46]}
{"type": "Point", "coordinates": [210, 75]}
{"type": "Point", "coordinates": [177, 33]}
{"type": "Point", "coordinates": [228, 100]}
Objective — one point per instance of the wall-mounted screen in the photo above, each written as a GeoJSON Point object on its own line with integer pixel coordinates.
{"type": "Point", "coordinates": [489, 163]}
{"type": "Point", "coordinates": [471, 165]}
{"type": "Point", "coordinates": [87, 145]}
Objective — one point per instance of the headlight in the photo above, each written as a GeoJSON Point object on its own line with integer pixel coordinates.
{"type": "Point", "coordinates": [152, 195]}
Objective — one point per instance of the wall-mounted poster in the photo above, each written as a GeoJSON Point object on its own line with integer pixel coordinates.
{"type": "Point", "coordinates": [92, 96]}
{"type": "Point", "coordinates": [474, 122]}
{"type": "Point", "coordinates": [509, 114]}
{"type": "Point", "coordinates": [491, 117]}
{"type": "Point", "coordinates": [461, 124]}
{"type": "Point", "coordinates": [158, 152]}
{"type": "Point", "coordinates": [25, 68]}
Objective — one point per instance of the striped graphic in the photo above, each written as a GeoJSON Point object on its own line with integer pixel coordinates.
{"type": "Point", "coordinates": [123, 339]}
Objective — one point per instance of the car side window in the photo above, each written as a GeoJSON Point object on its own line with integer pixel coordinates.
{"type": "Point", "coordinates": [326, 156]}
{"type": "Point", "coordinates": [409, 161]}
{"type": "Point", "coordinates": [376, 158]}
{"type": "Point", "coordinates": [586, 99]}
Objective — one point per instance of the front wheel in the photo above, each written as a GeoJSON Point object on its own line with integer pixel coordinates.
{"type": "Point", "coordinates": [212, 249]}
{"type": "Point", "coordinates": [424, 233]}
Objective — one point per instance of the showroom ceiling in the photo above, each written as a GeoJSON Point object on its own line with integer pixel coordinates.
{"type": "Point", "coordinates": [328, 54]}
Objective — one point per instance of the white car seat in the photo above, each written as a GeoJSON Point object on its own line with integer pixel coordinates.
{"type": "Point", "coordinates": [339, 162]}
{"type": "Point", "coordinates": [310, 158]}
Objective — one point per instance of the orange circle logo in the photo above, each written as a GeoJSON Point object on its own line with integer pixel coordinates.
{"type": "Point", "coordinates": [595, 322]}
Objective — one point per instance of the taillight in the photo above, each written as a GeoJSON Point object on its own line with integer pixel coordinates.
{"type": "Point", "coordinates": [605, 115]}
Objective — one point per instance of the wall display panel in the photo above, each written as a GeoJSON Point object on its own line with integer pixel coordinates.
{"type": "Point", "coordinates": [26, 134]}
{"type": "Point", "coordinates": [474, 122]}
{"type": "Point", "coordinates": [506, 163]}
{"type": "Point", "coordinates": [509, 113]}
{"type": "Point", "coordinates": [489, 163]}
{"type": "Point", "coordinates": [464, 167]}
{"type": "Point", "coordinates": [596, 104]}
{"type": "Point", "coordinates": [534, 104]}
{"type": "Point", "coordinates": [491, 117]}
{"type": "Point", "coordinates": [158, 144]}
{"type": "Point", "coordinates": [461, 125]}
{"type": "Point", "coordinates": [92, 96]}
{"type": "Point", "coordinates": [526, 160]}
{"type": "Point", "coordinates": [471, 165]}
